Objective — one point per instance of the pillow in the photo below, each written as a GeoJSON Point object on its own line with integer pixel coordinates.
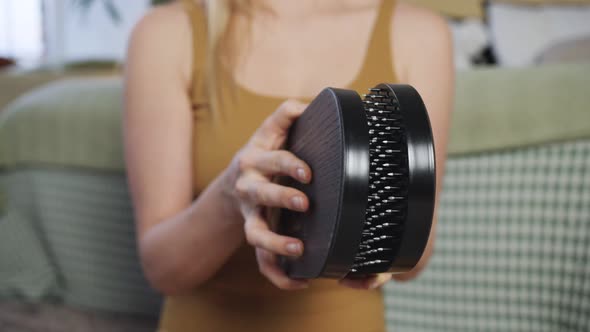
{"type": "Point", "coordinates": [67, 123]}
{"type": "Point", "coordinates": [575, 50]}
{"type": "Point", "coordinates": [500, 108]}
{"type": "Point", "coordinates": [519, 33]}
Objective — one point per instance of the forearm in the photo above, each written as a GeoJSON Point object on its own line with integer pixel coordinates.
{"type": "Point", "coordinates": [187, 249]}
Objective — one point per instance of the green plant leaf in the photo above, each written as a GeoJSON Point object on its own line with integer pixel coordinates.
{"type": "Point", "coordinates": [159, 2]}
{"type": "Point", "coordinates": [108, 5]}
{"type": "Point", "coordinates": [112, 10]}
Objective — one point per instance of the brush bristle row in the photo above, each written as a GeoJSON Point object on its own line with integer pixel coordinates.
{"type": "Point", "coordinates": [385, 211]}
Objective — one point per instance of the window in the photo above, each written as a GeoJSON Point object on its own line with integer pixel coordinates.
{"type": "Point", "coordinates": [20, 30]}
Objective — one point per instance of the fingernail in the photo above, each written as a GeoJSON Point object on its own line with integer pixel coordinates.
{"type": "Point", "coordinates": [375, 284]}
{"type": "Point", "coordinates": [297, 202]}
{"type": "Point", "coordinates": [294, 248]}
{"type": "Point", "coordinates": [301, 174]}
{"type": "Point", "coordinates": [303, 285]}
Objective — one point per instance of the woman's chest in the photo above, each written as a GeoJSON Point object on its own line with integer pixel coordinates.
{"type": "Point", "coordinates": [216, 141]}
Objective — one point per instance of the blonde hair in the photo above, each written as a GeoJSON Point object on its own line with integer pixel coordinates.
{"type": "Point", "coordinates": [220, 55]}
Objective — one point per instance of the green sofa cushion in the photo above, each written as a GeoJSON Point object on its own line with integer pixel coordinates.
{"type": "Point", "coordinates": [13, 85]}
{"type": "Point", "coordinates": [502, 108]}
{"type": "Point", "coordinates": [71, 123]}
{"type": "Point", "coordinates": [14, 82]}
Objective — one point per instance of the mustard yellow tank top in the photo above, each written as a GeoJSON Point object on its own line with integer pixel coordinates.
{"type": "Point", "coordinates": [239, 298]}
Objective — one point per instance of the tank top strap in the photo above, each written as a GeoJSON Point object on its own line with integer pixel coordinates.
{"type": "Point", "coordinates": [198, 22]}
{"type": "Point", "coordinates": [378, 60]}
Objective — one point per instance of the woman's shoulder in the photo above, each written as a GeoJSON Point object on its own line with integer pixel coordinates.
{"type": "Point", "coordinates": [407, 15]}
{"type": "Point", "coordinates": [417, 30]}
{"type": "Point", "coordinates": [163, 37]}
{"type": "Point", "coordinates": [173, 15]}
{"type": "Point", "coordinates": [163, 22]}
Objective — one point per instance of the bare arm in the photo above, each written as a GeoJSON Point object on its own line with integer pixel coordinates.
{"type": "Point", "coordinates": [178, 238]}
{"type": "Point", "coordinates": [174, 231]}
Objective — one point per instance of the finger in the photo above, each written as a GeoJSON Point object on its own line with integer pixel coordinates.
{"type": "Point", "coordinates": [271, 134]}
{"type": "Point", "coordinates": [259, 235]}
{"type": "Point", "coordinates": [247, 209]}
{"type": "Point", "coordinates": [360, 283]}
{"type": "Point", "coordinates": [263, 192]}
{"type": "Point", "coordinates": [370, 282]}
{"type": "Point", "coordinates": [267, 265]}
{"type": "Point", "coordinates": [282, 162]}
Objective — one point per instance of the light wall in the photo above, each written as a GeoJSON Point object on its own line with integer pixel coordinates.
{"type": "Point", "coordinates": [20, 29]}
{"type": "Point", "coordinates": [76, 35]}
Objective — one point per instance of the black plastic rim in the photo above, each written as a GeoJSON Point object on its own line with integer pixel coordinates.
{"type": "Point", "coordinates": [355, 184]}
{"type": "Point", "coordinates": [421, 193]}
{"type": "Point", "coordinates": [332, 137]}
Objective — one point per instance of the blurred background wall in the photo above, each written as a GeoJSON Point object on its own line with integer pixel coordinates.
{"type": "Point", "coordinates": [58, 31]}
{"type": "Point", "coordinates": [504, 32]}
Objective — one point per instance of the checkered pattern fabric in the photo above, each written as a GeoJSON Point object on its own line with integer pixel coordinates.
{"type": "Point", "coordinates": [69, 234]}
{"type": "Point", "coordinates": [26, 268]}
{"type": "Point", "coordinates": [513, 246]}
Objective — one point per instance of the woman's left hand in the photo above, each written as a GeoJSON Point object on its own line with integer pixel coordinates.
{"type": "Point", "coordinates": [370, 282]}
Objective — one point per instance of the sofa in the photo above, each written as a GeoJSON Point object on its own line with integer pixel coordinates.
{"type": "Point", "coordinates": [513, 242]}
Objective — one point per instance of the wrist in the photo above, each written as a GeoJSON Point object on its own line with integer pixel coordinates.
{"type": "Point", "coordinates": [230, 202]}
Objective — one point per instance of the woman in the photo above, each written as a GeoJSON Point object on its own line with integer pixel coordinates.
{"type": "Point", "coordinates": [206, 85]}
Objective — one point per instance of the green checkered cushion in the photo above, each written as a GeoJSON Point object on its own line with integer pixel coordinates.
{"type": "Point", "coordinates": [86, 220]}
{"type": "Point", "coordinates": [3, 201]}
{"type": "Point", "coordinates": [26, 268]}
{"type": "Point", "coordinates": [513, 246]}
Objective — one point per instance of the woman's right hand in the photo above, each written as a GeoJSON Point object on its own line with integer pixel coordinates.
{"type": "Point", "coordinates": [252, 170]}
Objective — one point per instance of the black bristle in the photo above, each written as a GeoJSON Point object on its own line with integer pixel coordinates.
{"type": "Point", "coordinates": [385, 209]}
